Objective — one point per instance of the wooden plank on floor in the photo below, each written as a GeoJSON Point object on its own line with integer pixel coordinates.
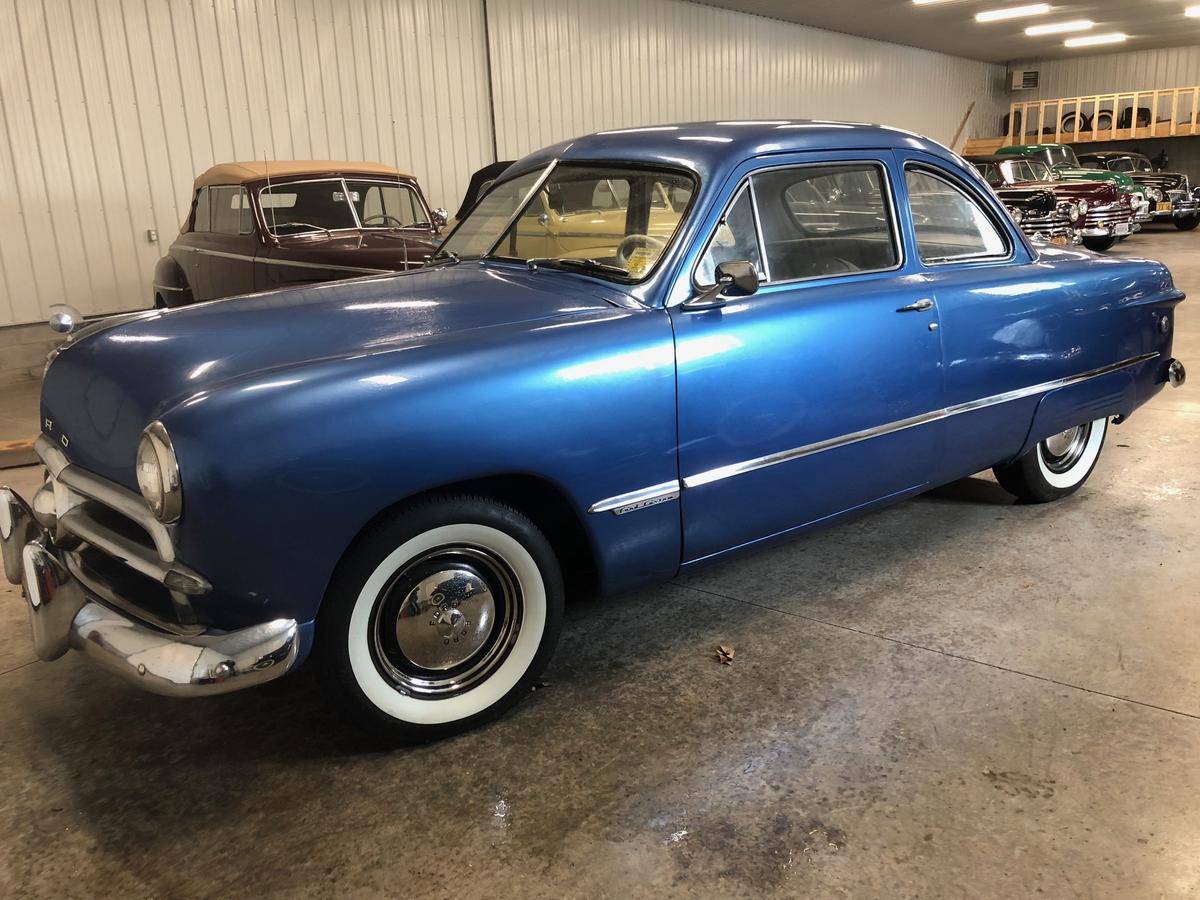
{"type": "Point", "coordinates": [17, 453]}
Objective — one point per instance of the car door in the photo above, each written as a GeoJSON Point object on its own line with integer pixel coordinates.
{"type": "Point", "coordinates": [999, 327]}
{"type": "Point", "coordinates": [227, 257]}
{"type": "Point", "coordinates": [806, 399]}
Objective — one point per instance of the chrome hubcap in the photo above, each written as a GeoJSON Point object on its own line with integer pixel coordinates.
{"type": "Point", "coordinates": [1063, 450]}
{"type": "Point", "coordinates": [446, 621]}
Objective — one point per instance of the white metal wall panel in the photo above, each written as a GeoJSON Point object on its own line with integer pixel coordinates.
{"type": "Point", "coordinates": [109, 109]}
{"type": "Point", "coordinates": [1140, 70]}
{"type": "Point", "coordinates": [566, 67]}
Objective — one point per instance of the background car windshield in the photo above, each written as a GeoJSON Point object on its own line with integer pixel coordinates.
{"type": "Point", "coordinates": [386, 205]}
{"type": "Point", "coordinates": [297, 207]}
{"type": "Point", "coordinates": [620, 217]}
{"type": "Point", "coordinates": [1038, 170]}
{"type": "Point", "coordinates": [1061, 156]}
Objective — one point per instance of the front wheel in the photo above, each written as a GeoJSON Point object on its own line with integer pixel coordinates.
{"type": "Point", "coordinates": [1187, 223]}
{"type": "Point", "coordinates": [440, 618]}
{"type": "Point", "coordinates": [1099, 244]}
{"type": "Point", "coordinates": [1055, 467]}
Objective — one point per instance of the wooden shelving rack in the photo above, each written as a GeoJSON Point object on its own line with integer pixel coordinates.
{"type": "Point", "coordinates": [1173, 112]}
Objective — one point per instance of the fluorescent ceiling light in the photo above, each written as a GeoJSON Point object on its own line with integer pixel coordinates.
{"type": "Point", "coordinates": [1093, 39]}
{"type": "Point", "coordinates": [1060, 27]}
{"type": "Point", "coordinates": [927, 2]}
{"type": "Point", "coordinates": [1013, 12]}
{"type": "Point", "coordinates": [1192, 12]}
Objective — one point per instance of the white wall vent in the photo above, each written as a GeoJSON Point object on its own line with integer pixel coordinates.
{"type": "Point", "coordinates": [1025, 80]}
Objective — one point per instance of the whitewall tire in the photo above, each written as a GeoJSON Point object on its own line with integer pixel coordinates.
{"type": "Point", "coordinates": [1056, 466]}
{"type": "Point", "coordinates": [440, 618]}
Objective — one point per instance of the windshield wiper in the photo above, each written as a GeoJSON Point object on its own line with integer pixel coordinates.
{"type": "Point", "coordinates": [575, 262]}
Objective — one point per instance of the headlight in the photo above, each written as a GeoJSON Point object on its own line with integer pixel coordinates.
{"type": "Point", "coordinates": [1154, 194]}
{"type": "Point", "coordinates": [1083, 207]}
{"type": "Point", "coordinates": [1017, 215]}
{"type": "Point", "coordinates": [158, 473]}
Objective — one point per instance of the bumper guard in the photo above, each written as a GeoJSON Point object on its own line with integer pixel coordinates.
{"type": "Point", "coordinates": [65, 616]}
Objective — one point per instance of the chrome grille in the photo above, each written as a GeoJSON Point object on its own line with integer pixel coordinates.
{"type": "Point", "coordinates": [117, 536]}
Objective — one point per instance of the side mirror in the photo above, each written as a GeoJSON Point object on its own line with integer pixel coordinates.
{"type": "Point", "coordinates": [736, 278]}
{"type": "Point", "coordinates": [440, 218]}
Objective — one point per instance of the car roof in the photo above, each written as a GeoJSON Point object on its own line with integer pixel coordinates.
{"type": "Point", "coordinates": [709, 148]}
{"type": "Point", "coordinates": [1110, 153]}
{"type": "Point", "coordinates": [260, 170]}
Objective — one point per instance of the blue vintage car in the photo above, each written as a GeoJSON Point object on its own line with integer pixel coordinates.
{"type": "Point", "coordinates": [642, 351]}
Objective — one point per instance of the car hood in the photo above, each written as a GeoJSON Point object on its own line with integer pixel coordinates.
{"type": "Point", "coordinates": [1072, 174]}
{"type": "Point", "coordinates": [106, 386]}
{"type": "Point", "coordinates": [1092, 191]}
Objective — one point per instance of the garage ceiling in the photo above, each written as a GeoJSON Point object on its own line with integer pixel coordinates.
{"type": "Point", "coordinates": [949, 26]}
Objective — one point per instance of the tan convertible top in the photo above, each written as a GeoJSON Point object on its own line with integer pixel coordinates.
{"type": "Point", "coordinates": [258, 170]}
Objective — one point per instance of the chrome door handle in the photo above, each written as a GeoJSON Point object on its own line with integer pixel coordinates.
{"type": "Point", "coordinates": [919, 306]}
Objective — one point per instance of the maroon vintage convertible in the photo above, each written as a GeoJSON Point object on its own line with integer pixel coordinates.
{"type": "Point", "coordinates": [254, 226]}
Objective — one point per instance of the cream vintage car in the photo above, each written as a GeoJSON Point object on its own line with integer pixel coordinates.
{"type": "Point", "coordinates": [586, 218]}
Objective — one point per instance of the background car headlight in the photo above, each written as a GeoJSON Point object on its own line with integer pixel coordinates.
{"type": "Point", "coordinates": [1017, 215]}
{"type": "Point", "coordinates": [1154, 194]}
{"type": "Point", "coordinates": [158, 473]}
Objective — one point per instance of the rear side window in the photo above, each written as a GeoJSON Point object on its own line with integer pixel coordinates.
{"type": "Point", "coordinates": [819, 221]}
{"type": "Point", "coordinates": [949, 224]}
{"type": "Point", "coordinates": [200, 221]}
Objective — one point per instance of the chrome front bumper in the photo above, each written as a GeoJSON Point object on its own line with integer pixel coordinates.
{"type": "Point", "coordinates": [65, 615]}
{"type": "Point", "coordinates": [1179, 209]}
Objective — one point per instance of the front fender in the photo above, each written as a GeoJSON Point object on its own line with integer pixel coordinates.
{"type": "Point", "coordinates": [281, 472]}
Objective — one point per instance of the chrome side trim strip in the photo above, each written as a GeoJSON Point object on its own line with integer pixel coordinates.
{"type": "Point", "coordinates": [773, 459]}
{"type": "Point", "coordinates": [272, 261]}
{"type": "Point", "coordinates": [639, 499]}
{"type": "Point", "coordinates": [167, 287]}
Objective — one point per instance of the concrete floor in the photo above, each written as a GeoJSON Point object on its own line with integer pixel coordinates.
{"type": "Point", "coordinates": [955, 696]}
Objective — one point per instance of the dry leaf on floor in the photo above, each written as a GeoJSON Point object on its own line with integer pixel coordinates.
{"type": "Point", "coordinates": [725, 655]}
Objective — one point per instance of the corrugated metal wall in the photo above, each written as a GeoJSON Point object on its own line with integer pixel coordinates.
{"type": "Point", "coordinates": [109, 108]}
{"type": "Point", "coordinates": [566, 67]}
{"type": "Point", "coordinates": [1141, 70]}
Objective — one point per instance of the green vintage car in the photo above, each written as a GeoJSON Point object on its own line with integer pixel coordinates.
{"type": "Point", "coordinates": [1066, 167]}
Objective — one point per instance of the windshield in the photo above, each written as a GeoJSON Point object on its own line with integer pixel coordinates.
{"type": "Point", "coordinates": [1038, 170]}
{"type": "Point", "coordinates": [1061, 156]}
{"type": "Point", "coordinates": [297, 207]}
{"type": "Point", "coordinates": [616, 221]}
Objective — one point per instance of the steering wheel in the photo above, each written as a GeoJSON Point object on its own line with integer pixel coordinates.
{"type": "Point", "coordinates": [385, 218]}
{"type": "Point", "coordinates": [835, 265]}
{"type": "Point", "coordinates": [633, 241]}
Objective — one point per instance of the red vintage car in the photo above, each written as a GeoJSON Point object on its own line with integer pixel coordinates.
{"type": "Point", "coordinates": [1097, 213]}
{"type": "Point", "coordinates": [254, 226]}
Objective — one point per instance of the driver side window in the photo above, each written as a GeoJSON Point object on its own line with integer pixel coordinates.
{"type": "Point", "coordinates": [734, 239]}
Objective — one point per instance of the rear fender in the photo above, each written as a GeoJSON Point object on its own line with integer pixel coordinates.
{"type": "Point", "coordinates": [1114, 394]}
{"type": "Point", "coordinates": [171, 283]}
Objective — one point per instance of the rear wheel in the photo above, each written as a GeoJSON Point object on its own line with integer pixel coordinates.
{"type": "Point", "coordinates": [1187, 223]}
{"type": "Point", "coordinates": [1099, 244]}
{"type": "Point", "coordinates": [440, 618]}
{"type": "Point", "coordinates": [1056, 466]}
